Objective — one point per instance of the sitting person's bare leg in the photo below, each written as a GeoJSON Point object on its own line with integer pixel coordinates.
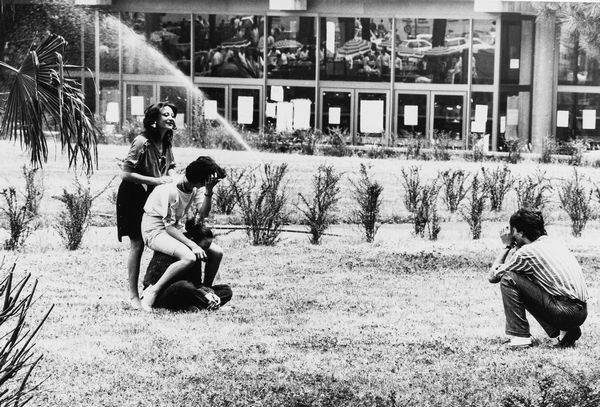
{"type": "Point", "coordinates": [214, 254]}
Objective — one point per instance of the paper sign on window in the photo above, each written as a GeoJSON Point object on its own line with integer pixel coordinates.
{"type": "Point", "coordinates": [112, 112]}
{"type": "Point", "coordinates": [245, 109]}
{"type": "Point", "coordinates": [271, 110]}
{"type": "Point", "coordinates": [514, 63]}
{"type": "Point", "coordinates": [334, 115]}
{"type": "Point", "coordinates": [589, 119]}
{"type": "Point", "coordinates": [137, 105]}
{"type": "Point", "coordinates": [478, 127]}
{"type": "Point", "coordinates": [285, 113]}
{"type": "Point", "coordinates": [411, 115]}
{"type": "Point", "coordinates": [371, 116]}
{"type": "Point", "coordinates": [330, 37]}
{"type": "Point", "coordinates": [210, 109]}
{"type": "Point", "coordinates": [481, 113]}
{"type": "Point", "coordinates": [562, 118]}
{"type": "Point", "coordinates": [277, 93]}
{"type": "Point", "coordinates": [180, 120]}
{"type": "Point", "coordinates": [301, 113]}
{"type": "Point", "coordinates": [502, 124]}
{"type": "Point", "coordinates": [512, 117]}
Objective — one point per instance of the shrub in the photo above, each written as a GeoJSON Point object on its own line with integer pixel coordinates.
{"type": "Point", "coordinates": [513, 146]}
{"type": "Point", "coordinates": [426, 215]}
{"type": "Point", "coordinates": [548, 149]}
{"type": "Point", "coordinates": [319, 208]}
{"type": "Point", "coordinates": [411, 181]}
{"type": "Point", "coordinates": [441, 145]}
{"type": "Point", "coordinates": [531, 191]}
{"type": "Point", "coordinates": [73, 220]}
{"type": "Point", "coordinates": [473, 212]}
{"type": "Point", "coordinates": [367, 194]}
{"type": "Point", "coordinates": [263, 205]}
{"type": "Point", "coordinates": [499, 181]}
{"type": "Point", "coordinates": [19, 219]}
{"type": "Point", "coordinates": [455, 188]}
{"type": "Point", "coordinates": [224, 192]}
{"type": "Point", "coordinates": [334, 144]}
{"type": "Point", "coordinates": [574, 149]}
{"type": "Point", "coordinates": [576, 200]}
{"type": "Point", "coordinates": [34, 189]}
{"type": "Point", "coordinates": [17, 360]}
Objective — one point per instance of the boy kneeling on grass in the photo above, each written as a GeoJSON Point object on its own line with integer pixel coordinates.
{"type": "Point", "coordinates": [542, 277]}
{"type": "Point", "coordinates": [162, 228]}
{"type": "Point", "coordinates": [189, 292]}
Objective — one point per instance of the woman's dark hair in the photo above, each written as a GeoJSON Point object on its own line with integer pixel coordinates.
{"type": "Point", "coordinates": [528, 222]}
{"type": "Point", "coordinates": [151, 116]}
{"type": "Point", "coordinates": [202, 168]}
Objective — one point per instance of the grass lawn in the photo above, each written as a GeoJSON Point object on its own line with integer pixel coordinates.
{"type": "Point", "coordinates": [403, 321]}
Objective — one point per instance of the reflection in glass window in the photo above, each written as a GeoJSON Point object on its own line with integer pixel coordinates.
{"type": "Point", "coordinates": [290, 108]}
{"type": "Point", "coordinates": [169, 33]}
{"type": "Point", "coordinates": [412, 115]}
{"type": "Point", "coordinates": [89, 43]}
{"type": "Point", "coordinates": [579, 60]}
{"type": "Point", "coordinates": [355, 49]}
{"type": "Point", "coordinates": [448, 115]}
{"type": "Point", "coordinates": [336, 112]}
{"type": "Point", "coordinates": [178, 96]}
{"type": "Point", "coordinates": [290, 47]}
{"type": "Point", "coordinates": [578, 117]}
{"type": "Point", "coordinates": [228, 46]}
{"type": "Point", "coordinates": [484, 40]}
{"type": "Point", "coordinates": [110, 108]}
{"type": "Point", "coordinates": [245, 108]}
{"type": "Point", "coordinates": [109, 43]}
{"type": "Point", "coordinates": [432, 51]}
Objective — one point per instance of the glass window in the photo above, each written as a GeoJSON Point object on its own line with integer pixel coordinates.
{"type": "Point", "coordinates": [481, 115]}
{"type": "Point", "coordinates": [355, 49]}
{"type": "Point", "coordinates": [432, 51]}
{"type": "Point", "coordinates": [109, 43]}
{"type": "Point", "coordinates": [290, 47]}
{"type": "Point", "coordinates": [228, 46]}
{"type": "Point", "coordinates": [90, 93]}
{"type": "Point", "coordinates": [168, 33]}
{"type": "Point", "coordinates": [217, 94]}
{"type": "Point", "coordinates": [412, 115]}
{"type": "Point", "coordinates": [448, 115]}
{"type": "Point", "coordinates": [178, 96]}
{"type": "Point", "coordinates": [337, 107]}
{"type": "Point", "coordinates": [579, 61]}
{"type": "Point", "coordinates": [484, 40]}
{"type": "Point", "coordinates": [110, 106]}
{"type": "Point", "coordinates": [301, 115]}
{"type": "Point", "coordinates": [371, 114]}
{"type": "Point", "coordinates": [89, 43]}
{"type": "Point", "coordinates": [514, 117]}
{"type": "Point", "coordinates": [138, 97]}
{"type": "Point", "coordinates": [516, 56]}
{"type": "Point", "coordinates": [578, 117]}
{"type": "Point", "coordinates": [245, 108]}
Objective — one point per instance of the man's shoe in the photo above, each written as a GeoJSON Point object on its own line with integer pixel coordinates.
{"type": "Point", "coordinates": [568, 341]}
{"type": "Point", "coordinates": [517, 342]}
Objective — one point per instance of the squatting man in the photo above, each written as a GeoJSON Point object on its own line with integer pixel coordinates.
{"type": "Point", "coordinates": [541, 276]}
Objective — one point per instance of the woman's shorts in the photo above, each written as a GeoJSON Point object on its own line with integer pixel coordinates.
{"type": "Point", "coordinates": [165, 243]}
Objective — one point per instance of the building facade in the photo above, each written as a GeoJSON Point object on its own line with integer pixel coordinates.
{"type": "Point", "coordinates": [378, 71]}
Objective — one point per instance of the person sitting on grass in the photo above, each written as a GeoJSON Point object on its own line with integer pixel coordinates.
{"type": "Point", "coordinates": [189, 291]}
{"type": "Point", "coordinates": [542, 277]}
{"type": "Point", "coordinates": [162, 228]}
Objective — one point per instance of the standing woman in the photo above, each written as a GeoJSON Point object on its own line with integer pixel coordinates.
{"type": "Point", "coordinates": [148, 163]}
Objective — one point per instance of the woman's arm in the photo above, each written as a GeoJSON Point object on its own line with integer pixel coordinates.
{"type": "Point", "coordinates": [144, 179]}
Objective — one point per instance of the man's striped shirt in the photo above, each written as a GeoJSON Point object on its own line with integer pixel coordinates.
{"type": "Point", "coordinates": [551, 266]}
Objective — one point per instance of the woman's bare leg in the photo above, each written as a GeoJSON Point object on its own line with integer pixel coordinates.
{"type": "Point", "coordinates": [133, 270]}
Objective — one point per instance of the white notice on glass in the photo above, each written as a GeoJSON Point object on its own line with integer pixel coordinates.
{"type": "Point", "coordinates": [112, 112]}
{"type": "Point", "coordinates": [481, 113]}
{"type": "Point", "coordinates": [277, 93]}
{"type": "Point", "coordinates": [210, 109]}
{"type": "Point", "coordinates": [502, 124]}
{"type": "Point", "coordinates": [512, 117]}
{"type": "Point", "coordinates": [514, 63]}
{"type": "Point", "coordinates": [411, 115]}
{"type": "Point", "coordinates": [371, 113]}
{"type": "Point", "coordinates": [180, 120]}
{"type": "Point", "coordinates": [271, 110]}
{"type": "Point", "coordinates": [245, 109]}
{"type": "Point", "coordinates": [589, 119]}
{"type": "Point", "coordinates": [334, 115]}
{"type": "Point", "coordinates": [330, 37]}
{"type": "Point", "coordinates": [137, 105]}
{"type": "Point", "coordinates": [562, 118]}
{"type": "Point", "coordinates": [301, 114]}
{"type": "Point", "coordinates": [285, 113]}
{"type": "Point", "coordinates": [478, 127]}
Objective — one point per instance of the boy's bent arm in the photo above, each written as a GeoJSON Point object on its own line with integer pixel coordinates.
{"type": "Point", "coordinates": [176, 233]}
{"type": "Point", "coordinates": [494, 276]}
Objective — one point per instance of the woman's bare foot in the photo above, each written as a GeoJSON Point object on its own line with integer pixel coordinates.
{"type": "Point", "coordinates": [148, 298]}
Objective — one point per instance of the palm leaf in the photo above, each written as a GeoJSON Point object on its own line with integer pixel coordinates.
{"type": "Point", "coordinates": [42, 100]}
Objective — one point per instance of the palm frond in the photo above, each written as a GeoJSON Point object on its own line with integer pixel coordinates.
{"type": "Point", "coordinates": [40, 98]}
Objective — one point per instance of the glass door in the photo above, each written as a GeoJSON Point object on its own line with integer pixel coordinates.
{"type": "Point", "coordinates": [246, 107]}
{"type": "Point", "coordinates": [336, 112]}
{"type": "Point", "coordinates": [371, 117]}
{"type": "Point", "coordinates": [448, 116]}
{"type": "Point", "coordinates": [412, 110]}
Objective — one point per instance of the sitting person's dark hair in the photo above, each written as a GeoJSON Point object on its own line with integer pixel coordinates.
{"type": "Point", "coordinates": [529, 222]}
{"type": "Point", "coordinates": [202, 168]}
{"type": "Point", "coordinates": [197, 231]}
